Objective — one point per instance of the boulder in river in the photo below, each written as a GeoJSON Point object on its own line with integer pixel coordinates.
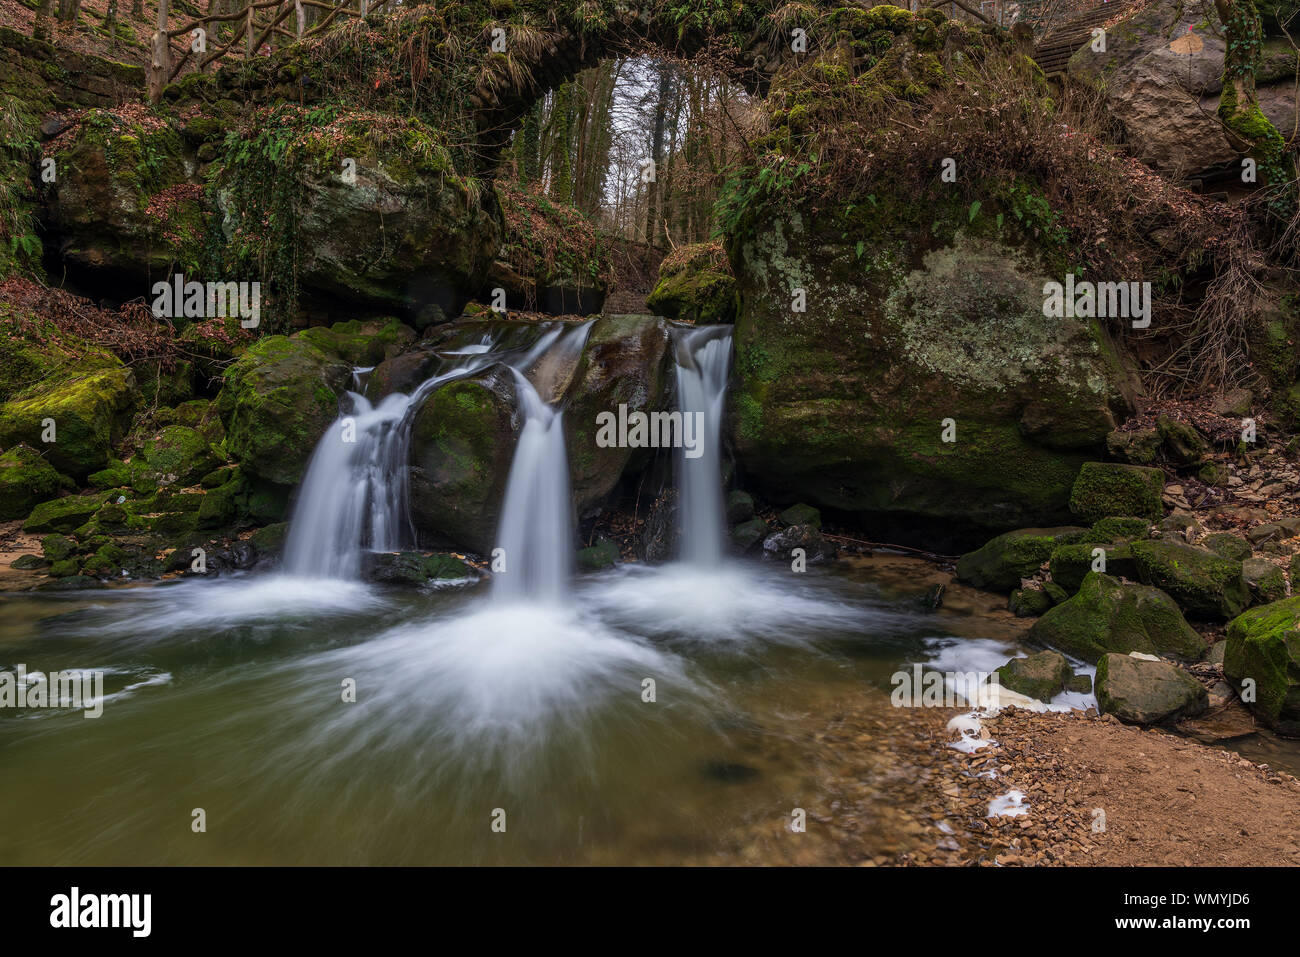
{"type": "Point", "coordinates": [780, 546]}
{"type": "Point", "coordinates": [1002, 562]}
{"type": "Point", "coordinates": [1042, 675]}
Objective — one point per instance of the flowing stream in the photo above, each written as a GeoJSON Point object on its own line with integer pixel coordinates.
{"type": "Point", "coordinates": [703, 362]}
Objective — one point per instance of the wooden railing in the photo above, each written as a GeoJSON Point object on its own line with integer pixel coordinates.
{"type": "Point", "coordinates": [274, 12]}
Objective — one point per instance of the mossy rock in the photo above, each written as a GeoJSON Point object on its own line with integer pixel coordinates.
{"type": "Point", "coordinates": [88, 409]}
{"type": "Point", "coordinates": [1262, 659]}
{"type": "Point", "coordinates": [1042, 675]}
{"type": "Point", "coordinates": [64, 514]}
{"type": "Point", "coordinates": [1029, 602]}
{"type": "Point", "coordinates": [26, 480]}
{"type": "Point", "coordinates": [1228, 545]}
{"type": "Point", "coordinates": [801, 515]}
{"type": "Point", "coordinates": [462, 444]}
{"type": "Point", "coordinates": [176, 455]}
{"type": "Point", "coordinates": [740, 507]}
{"type": "Point", "coordinates": [604, 554]}
{"type": "Point", "coordinates": [749, 535]}
{"type": "Point", "coordinates": [1183, 445]}
{"type": "Point", "coordinates": [1070, 563]}
{"type": "Point", "coordinates": [1144, 692]}
{"type": "Point", "coordinates": [1117, 529]}
{"type": "Point", "coordinates": [57, 547]}
{"type": "Point", "coordinates": [116, 475]}
{"type": "Point", "coordinates": [1136, 447]}
{"type": "Point", "coordinates": [1266, 580]}
{"type": "Point", "coordinates": [361, 343]}
{"type": "Point", "coordinates": [413, 568]}
{"type": "Point", "coordinates": [1108, 489]}
{"type": "Point", "coordinates": [1001, 563]}
{"type": "Point", "coordinates": [1108, 616]}
{"type": "Point", "coordinates": [278, 399]}
{"type": "Point", "coordinates": [1203, 583]}
{"type": "Point", "coordinates": [695, 285]}
{"type": "Point", "coordinates": [270, 539]}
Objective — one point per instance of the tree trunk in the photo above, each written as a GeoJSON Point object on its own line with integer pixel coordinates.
{"type": "Point", "coordinates": [160, 62]}
{"type": "Point", "coordinates": [68, 10]}
{"type": "Point", "coordinates": [1247, 129]}
{"type": "Point", "coordinates": [44, 14]}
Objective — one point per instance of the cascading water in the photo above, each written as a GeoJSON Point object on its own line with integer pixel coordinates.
{"type": "Point", "coordinates": [356, 491]}
{"type": "Point", "coordinates": [703, 363]}
{"type": "Point", "coordinates": [536, 525]}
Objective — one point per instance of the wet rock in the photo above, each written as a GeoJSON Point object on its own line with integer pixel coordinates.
{"type": "Point", "coordinates": [740, 507]}
{"type": "Point", "coordinates": [276, 402]}
{"type": "Point", "coordinates": [1263, 647]}
{"type": "Point", "coordinates": [1266, 581]}
{"type": "Point", "coordinates": [1202, 582]}
{"type": "Point", "coordinates": [1042, 675]}
{"type": "Point", "coordinates": [1001, 563]}
{"type": "Point", "coordinates": [1080, 683]}
{"type": "Point", "coordinates": [748, 535]}
{"type": "Point", "coordinates": [1107, 489]}
{"type": "Point", "coordinates": [1108, 616]}
{"type": "Point", "coordinates": [696, 285]}
{"type": "Point", "coordinates": [28, 562]}
{"type": "Point", "coordinates": [662, 529]}
{"type": "Point", "coordinates": [1138, 691]}
{"type": "Point", "coordinates": [604, 554]}
{"type": "Point", "coordinates": [412, 568]}
{"type": "Point", "coordinates": [269, 540]}
{"type": "Point", "coordinates": [780, 546]}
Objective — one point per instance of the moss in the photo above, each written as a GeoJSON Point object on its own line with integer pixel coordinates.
{"type": "Point", "coordinates": [64, 514]}
{"type": "Point", "coordinates": [1001, 563]}
{"type": "Point", "coordinates": [26, 479]}
{"type": "Point", "coordinates": [1202, 582]}
{"type": "Point", "coordinates": [1263, 647]}
{"type": "Point", "coordinates": [1105, 489]}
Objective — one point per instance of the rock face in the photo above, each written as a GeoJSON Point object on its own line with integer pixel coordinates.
{"type": "Point", "coordinates": [1165, 100]}
{"type": "Point", "coordinates": [276, 403]}
{"type": "Point", "coordinates": [1263, 646]}
{"type": "Point", "coordinates": [1107, 616]}
{"type": "Point", "coordinates": [1202, 582]}
{"type": "Point", "coordinates": [999, 564]}
{"type": "Point", "coordinates": [846, 405]}
{"type": "Point", "coordinates": [1147, 692]}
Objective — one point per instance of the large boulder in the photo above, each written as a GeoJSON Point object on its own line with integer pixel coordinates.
{"type": "Point", "coordinates": [1109, 616]}
{"type": "Point", "coordinates": [1070, 563]}
{"type": "Point", "coordinates": [904, 343]}
{"type": "Point", "coordinates": [462, 444]}
{"type": "Point", "coordinates": [999, 564]}
{"type": "Point", "coordinates": [1042, 675]}
{"type": "Point", "coordinates": [695, 285]}
{"type": "Point", "coordinates": [277, 401]}
{"type": "Point", "coordinates": [1138, 691]}
{"type": "Point", "coordinates": [382, 220]}
{"type": "Point", "coordinates": [1203, 583]}
{"type": "Point", "coordinates": [73, 418]}
{"type": "Point", "coordinates": [1164, 94]}
{"type": "Point", "coordinates": [1263, 648]}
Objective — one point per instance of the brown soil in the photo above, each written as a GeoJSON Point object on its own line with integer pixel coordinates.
{"type": "Point", "coordinates": [14, 543]}
{"type": "Point", "coordinates": [1166, 800]}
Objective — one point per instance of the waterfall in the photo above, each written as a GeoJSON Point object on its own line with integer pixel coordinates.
{"type": "Point", "coordinates": [703, 363]}
{"type": "Point", "coordinates": [536, 525]}
{"type": "Point", "coordinates": [356, 492]}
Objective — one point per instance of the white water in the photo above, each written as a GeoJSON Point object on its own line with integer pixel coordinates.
{"type": "Point", "coordinates": [535, 531]}
{"type": "Point", "coordinates": [703, 364]}
{"type": "Point", "coordinates": [355, 495]}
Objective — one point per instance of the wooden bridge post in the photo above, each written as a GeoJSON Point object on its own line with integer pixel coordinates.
{"type": "Point", "coordinates": [160, 60]}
